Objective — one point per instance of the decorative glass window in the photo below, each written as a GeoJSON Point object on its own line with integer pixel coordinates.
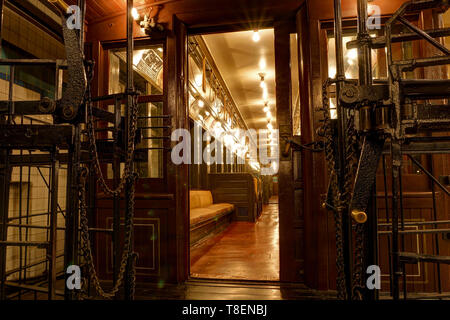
{"type": "Point", "coordinates": [148, 80]}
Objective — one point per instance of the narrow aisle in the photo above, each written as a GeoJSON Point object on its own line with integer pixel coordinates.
{"type": "Point", "coordinates": [245, 251]}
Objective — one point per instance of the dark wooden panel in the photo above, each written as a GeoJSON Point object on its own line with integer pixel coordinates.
{"type": "Point", "coordinates": [238, 189]}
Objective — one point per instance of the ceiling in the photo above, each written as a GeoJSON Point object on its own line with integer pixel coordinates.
{"type": "Point", "coordinates": [238, 59]}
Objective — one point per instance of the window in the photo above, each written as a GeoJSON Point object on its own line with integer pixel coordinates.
{"type": "Point", "coordinates": [148, 75]}
{"type": "Point", "coordinates": [351, 63]}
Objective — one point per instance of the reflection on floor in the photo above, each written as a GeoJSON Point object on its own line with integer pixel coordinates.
{"type": "Point", "coordinates": [230, 290]}
{"type": "Point", "coordinates": [245, 251]}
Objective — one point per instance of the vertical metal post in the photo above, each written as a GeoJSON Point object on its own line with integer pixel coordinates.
{"type": "Point", "coordinates": [5, 178]}
{"type": "Point", "coordinates": [386, 202]}
{"type": "Point", "coordinates": [364, 51]}
{"type": "Point", "coordinates": [340, 77]}
{"type": "Point", "coordinates": [51, 249]}
{"type": "Point", "coordinates": [435, 218]}
{"type": "Point", "coordinates": [130, 87]}
{"type": "Point", "coordinates": [365, 79]}
{"type": "Point", "coordinates": [396, 167]}
{"type": "Point", "coordinates": [116, 199]}
{"type": "Point", "coordinates": [72, 209]}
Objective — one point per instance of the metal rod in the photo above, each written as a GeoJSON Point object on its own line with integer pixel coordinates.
{"type": "Point", "coordinates": [436, 181]}
{"type": "Point", "coordinates": [425, 35]}
{"type": "Point", "coordinates": [386, 203]}
{"type": "Point", "coordinates": [432, 231]}
{"type": "Point", "coordinates": [116, 200]}
{"type": "Point", "coordinates": [53, 225]}
{"type": "Point", "coordinates": [396, 167]}
{"type": "Point", "coordinates": [340, 77]}
{"type": "Point", "coordinates": [128, 286]}
{"type": "Point", "coordinates": [418, 223]}
{"type": "Point", "coordinates": [436, 238]}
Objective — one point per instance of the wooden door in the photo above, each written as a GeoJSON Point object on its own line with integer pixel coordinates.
{"type": "Point", "coordinates": [293, 114]}
{"type": "Point", "coordinates": [161, 218]}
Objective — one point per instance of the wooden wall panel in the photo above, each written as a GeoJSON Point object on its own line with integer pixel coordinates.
{"type": "Point", "coordinates": [150, 239]}
{"type": "Point", "coordinates": [421, 277]}
{"type": "Point", "coordinates": [237, 189]}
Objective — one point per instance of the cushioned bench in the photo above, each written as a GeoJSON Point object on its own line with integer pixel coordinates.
{"type": "Point", "coordinates": [207, 218]}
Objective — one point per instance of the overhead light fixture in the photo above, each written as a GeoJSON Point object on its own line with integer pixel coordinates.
{"type": "Point", "coordinates": [256, 37]}
{"type": "Point", "coordinates": [135, 14]}
{"type": "Point", "coordinates": [262, 64]}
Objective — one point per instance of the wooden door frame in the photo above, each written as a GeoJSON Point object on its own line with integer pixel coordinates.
{"type": "Point", "coordinates": [289, 272]}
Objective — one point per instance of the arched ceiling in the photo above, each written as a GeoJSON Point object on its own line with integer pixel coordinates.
{"type": "Point", "coordinates": [240, 60]}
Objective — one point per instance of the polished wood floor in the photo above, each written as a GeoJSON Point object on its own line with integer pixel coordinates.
{"type": "Point", "coordinates": [245, 251]}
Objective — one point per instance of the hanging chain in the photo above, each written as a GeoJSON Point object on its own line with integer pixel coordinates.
{"type": "Point", "coordinates": [85, 238]}
{"type": "Point", "coordinates": [127, 177]}
{"type": "Point", "coordinates": [132, 127]}
{"type": "Point", "coordinates": [331, 166]}
{"type": "Point", "coordinates": [341, 200]}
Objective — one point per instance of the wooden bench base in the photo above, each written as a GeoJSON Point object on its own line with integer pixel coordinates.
{"type": "Point", "coordinates": [205, 229]}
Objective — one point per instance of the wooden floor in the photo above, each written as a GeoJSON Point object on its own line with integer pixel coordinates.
{"type": "Point", "coordinates": [245, 251]}
{"type": "Point", "coordinates": [230, 290]}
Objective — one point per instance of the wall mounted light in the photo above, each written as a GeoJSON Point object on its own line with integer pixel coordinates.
{"type": "Point", "coordinates": [135, 14]}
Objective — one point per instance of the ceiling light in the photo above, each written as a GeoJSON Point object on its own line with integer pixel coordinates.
{"type": "Point", "coordinates": [201, 104]}
{"type": "Point", "coordinates": [262, 64]}
{"type": "Point", "coordinates": [135, 14]}
{"type": "Point", "coordinates": [263, 85]}
{"type": "Point", "coordinates": [256, 37]}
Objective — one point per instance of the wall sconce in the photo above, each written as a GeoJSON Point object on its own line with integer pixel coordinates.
{"type": "Point", "coordinates": [148, 23]}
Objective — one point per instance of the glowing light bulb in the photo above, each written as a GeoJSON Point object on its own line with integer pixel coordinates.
{"type": "Point", "coordinates": [265, 94]}
{"type": "Point", "coordinates": [135, 14]}
{"type": "Point", "coordinates": [263, 85]}
{"type": "Point", "coordinates": [198, 80]}
{"type": "Point", "coordinates": [201, 104]}
{"type": "Point", "coordinates": [256, 37]}
{"type": "Point", "coordinates": [266, 109]}
{"type": "Point", "coordinates": [262, 64]}
{"type": "Point", "coordinates": [269, 115]}
{"type": "Point", "coordinates": [269, 126]}
{"type": "Point", "coordinates": [352, 54]}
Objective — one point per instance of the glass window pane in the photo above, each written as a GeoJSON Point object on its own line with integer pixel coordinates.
{"type": "Point", "coordinates": [150, 164]}
{"type": "Point", "coordinates": [148, 70]}
{"type": "Point", "coordinates": [295, 102]}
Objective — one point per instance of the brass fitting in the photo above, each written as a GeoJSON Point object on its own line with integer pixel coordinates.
{"type": "Point", "coordinates": [60, 4]}
{"type": "Point", "coordinates": [359, 216]}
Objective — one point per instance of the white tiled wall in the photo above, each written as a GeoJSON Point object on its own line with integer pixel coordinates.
{"type": "Point", "coordinates": [23, 34]}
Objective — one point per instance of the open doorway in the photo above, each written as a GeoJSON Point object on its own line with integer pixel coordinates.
{"type": "Point", "coordinates": [234, 225]}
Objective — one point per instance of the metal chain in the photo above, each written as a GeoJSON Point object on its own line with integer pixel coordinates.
{"type": "Point", "coordinates": [132, 127]}
{"type": "Point", "coordinates": [341, 200]}
{"type": "Point", "coordinates": [128, 176]}
{"type": "Point", "coordinates": [352, 151]}
{"type": "Point", "coordinates": [331, 165]}
{"type": "Point", "coordinates": [86, 243]}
